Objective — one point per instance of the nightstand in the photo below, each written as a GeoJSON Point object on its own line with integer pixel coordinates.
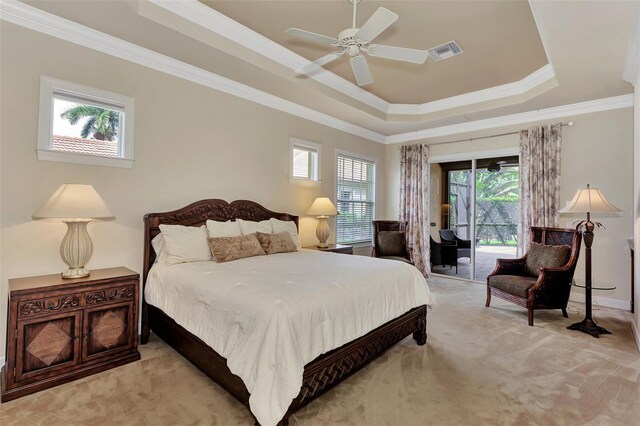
{"type": "Point", "coordinates": [59, 330]}
{"type": "Point", "coordinates": [333, 248]}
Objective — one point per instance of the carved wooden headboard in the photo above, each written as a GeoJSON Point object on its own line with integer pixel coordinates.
{"type": "Point", "coordinates": [196, 214]}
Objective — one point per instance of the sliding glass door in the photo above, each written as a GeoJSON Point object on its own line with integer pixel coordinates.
{"type": "Point", "coordinates": [497, 215]}
{"type": "Point", "coordinates": [474, 216]}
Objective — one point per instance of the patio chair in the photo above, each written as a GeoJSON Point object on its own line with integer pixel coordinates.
{"type": "Point", "coordinates": [542, 278]}
{"type": "Point", "coordinates": [390, 240]}
{"type": "Point", "coordinates": [464, 246]}
{"type": "Point", "coordinates": [443, 254]}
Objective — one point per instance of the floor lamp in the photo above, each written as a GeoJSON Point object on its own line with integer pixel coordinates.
{"type": "Point", "coordinates": [589, 200]}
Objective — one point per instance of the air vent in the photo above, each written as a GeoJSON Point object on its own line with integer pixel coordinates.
{"type": "Point", "coordinates": [445, 51]}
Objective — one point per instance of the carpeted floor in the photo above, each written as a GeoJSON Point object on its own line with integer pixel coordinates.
{"type": "Point", "coordinates": [480, 366]}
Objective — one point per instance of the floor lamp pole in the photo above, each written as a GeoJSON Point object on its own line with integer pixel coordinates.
{"type": "Point", "coordinates": [588, 325]}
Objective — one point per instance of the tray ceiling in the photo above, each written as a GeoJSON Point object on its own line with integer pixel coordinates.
{"type": "Point", "coordinates": [500, 41]}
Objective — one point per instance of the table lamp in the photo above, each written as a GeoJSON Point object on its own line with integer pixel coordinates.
{"type": "Point", "coordinates": [77, 205]}
{"type": "Point", "coordinates": [322, 207]}
{"type": "Point", "coordinates": [589, 200]}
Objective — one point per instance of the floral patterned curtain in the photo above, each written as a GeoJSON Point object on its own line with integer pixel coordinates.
{"type": "Point", "coordinates": [414, 202]}
{"type": "Point", "coordinates": [539, 180]}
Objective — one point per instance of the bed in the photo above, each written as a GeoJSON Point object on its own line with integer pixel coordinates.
{"type": "Point", "coordinates": [320, 373]}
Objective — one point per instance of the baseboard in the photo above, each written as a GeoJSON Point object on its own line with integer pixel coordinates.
{"type": "Point", "coordinates": [603, 301]}
{"type": "Point", "coordinates": [636, 334]}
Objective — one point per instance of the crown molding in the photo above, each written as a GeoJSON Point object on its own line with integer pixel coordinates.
{"type": "Point", "coordinates": [220, 24]}
{"type": "Point", "coordinates": [38, 20]}
{"type": "Point", "coordinates": [516, 88]}
{"type": "Point", "coordinates": [631, 72]}
{"type": "Point", "coordinates": [616, 102]}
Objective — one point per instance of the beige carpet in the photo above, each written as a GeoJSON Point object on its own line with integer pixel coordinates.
{"type": "Point", "coordinates": [480, 366]}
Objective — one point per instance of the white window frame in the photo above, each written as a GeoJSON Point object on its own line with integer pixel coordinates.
{"type": "Point", "coordinates": [359, 156]}
{"type": "Point", "coordinates": [304, 144]}
{"type": "Point", "coordinates": [50, 85]}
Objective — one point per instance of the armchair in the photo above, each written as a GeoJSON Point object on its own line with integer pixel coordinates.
{"type": "Point", "coordinates": [542, 278]}
{"type": "Point", "coordinates": [390, 242]}
{"type": "Point", "coordinates": [464, 246]}
{"type": "Point", "coordinates": [443, 254]}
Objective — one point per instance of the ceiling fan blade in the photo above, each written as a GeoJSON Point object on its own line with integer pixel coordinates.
{"type": "Point", "coordinates": [308, 35]}
{"type": "Point", "coordinates": [379, 21]}
{"type": "Point", "coordinates": [318, 63]}
{"type": "Point", "coordinates": [361, 70]}
{"type": "Point", "coordinates": [398, 53]}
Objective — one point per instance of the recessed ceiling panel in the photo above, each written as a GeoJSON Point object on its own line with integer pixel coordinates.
{"type": "Point", "coordinates": [500, 41]}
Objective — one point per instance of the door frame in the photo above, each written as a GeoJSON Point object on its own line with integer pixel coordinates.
{"type": "Point", "coordinates": [474, 159]}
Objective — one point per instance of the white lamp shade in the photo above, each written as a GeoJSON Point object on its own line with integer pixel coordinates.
{"type": "Point", "coordinates": [74, 201]}
{"type": "Point", "coordinates": [589, 200]}
{"type": "Point", "coordinates": [322, 206]}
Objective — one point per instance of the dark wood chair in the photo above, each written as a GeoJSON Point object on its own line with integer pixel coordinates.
{"type": "Point", "coordinates": [443, 254]}
{"type": "Point", "coordinates": [448, 236]}
{"type": "Point", "coordinates": [390, 240]}
{"type": "Point", "coordinates": [515, 279]}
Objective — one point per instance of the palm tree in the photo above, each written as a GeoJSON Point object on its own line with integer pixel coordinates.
{"type": "Point", "coordinates": [102, 123]}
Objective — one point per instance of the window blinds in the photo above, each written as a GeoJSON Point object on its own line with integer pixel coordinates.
{"type": "Point", "coordinates": [355, 199]}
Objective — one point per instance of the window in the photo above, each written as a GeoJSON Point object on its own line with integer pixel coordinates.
{"type": "Point", "coordinates": [304, 161]}
{"type": "Point", "coordinates": [355, 191]}
{"type": "Point", "coordinates": [79, 124]}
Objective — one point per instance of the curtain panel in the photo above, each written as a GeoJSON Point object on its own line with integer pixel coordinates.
{"type": "Point", "coordinates": [539, 180]}
{"type": "Point", "coordinates": [414, 202]}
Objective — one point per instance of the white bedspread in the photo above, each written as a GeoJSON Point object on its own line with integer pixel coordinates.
{"type": "Point", "coordinates": [271, 315]}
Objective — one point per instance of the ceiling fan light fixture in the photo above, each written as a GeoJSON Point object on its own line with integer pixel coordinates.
{"type": "Point", "coordinates": [356, 41]}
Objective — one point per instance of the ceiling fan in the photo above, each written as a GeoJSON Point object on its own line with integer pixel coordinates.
{"type": "Point", "coordinates": [495, 166]}
{"type": "Point", "coordinates": [354, 41]}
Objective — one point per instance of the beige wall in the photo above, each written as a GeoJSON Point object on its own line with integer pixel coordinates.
{"type": "Point", "coordinates": [435, 200]}
{"type": "Point", "coordinates": [636, 203]}
{"type": "Point", "coordinates": [598, 150]}
{"type": "Point", "coordinates": [191, 143]}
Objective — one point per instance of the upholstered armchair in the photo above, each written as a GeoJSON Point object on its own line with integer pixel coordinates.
{"type": "Point", "coordinates": [443, 254]}
{"type": "Point", "coordinates": [464, 246]}
{"type": "Point", "coordinates": [542, 278]}
{"type": "Point", "coordinates": [390, 241]}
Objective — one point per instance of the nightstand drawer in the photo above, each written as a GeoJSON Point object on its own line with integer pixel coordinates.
{"type": "Point", "coordinates": [102, 297]}
{"type": "Point", "coordinates": [31, 308]}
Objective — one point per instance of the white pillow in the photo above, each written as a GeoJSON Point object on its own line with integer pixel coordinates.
{"type": "Point", "coordinates": [158, 246]}
{"type": "Point", "coordinates": [223, 229]}
{"type": "Point", "coordinates": [185, 243]}
{"type": "Point", "coordinates": [288, 226]}
{"type": "Point", "coordinates": [250, 227]}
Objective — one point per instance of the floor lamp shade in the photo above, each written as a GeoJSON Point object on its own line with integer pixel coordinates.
{"type": "Point", "coordinates": [589, 200]}
{"type": "Point", "coordinates": [77, 205]}
{"type": "Point", "coordinates": [322, 207]}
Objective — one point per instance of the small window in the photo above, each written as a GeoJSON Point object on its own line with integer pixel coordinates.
{"type": "Point", "coordinates": [304, 161]}
{"type": "Point", "coordinates": [79, 124]}
{"type": "Point", "coordinates": [355, 189]}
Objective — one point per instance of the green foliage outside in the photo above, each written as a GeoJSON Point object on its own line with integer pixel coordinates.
{"type": "Point", "coordinates": [496, 193]}
{"type": "Point", "coordinates": [101, 125]}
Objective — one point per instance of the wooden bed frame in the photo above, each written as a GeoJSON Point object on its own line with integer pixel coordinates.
{"type": "Point", "coordinates": [319, 375]}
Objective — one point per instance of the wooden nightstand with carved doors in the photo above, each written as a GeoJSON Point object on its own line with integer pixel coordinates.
{"type": "Point", "coordinates": [59, 330]}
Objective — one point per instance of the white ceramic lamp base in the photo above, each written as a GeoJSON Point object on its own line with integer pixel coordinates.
{"type": "Point", "coordinates": [76, 248]}
{"type": "Point", "coordinates": [322, 231]}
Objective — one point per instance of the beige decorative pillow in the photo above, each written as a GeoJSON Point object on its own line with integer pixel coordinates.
{"type": "Point", "coordinates": [280, 242]}
{"type": "Point", "coordinates": [226, 249]}
{"type": "Point", "coordinates": [543, 256]}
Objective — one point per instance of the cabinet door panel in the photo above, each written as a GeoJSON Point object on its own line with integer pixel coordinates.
{"type": "Point", "coordinates": [47, 344]}
{"type": "Point", "coordinates": [107, 330]}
